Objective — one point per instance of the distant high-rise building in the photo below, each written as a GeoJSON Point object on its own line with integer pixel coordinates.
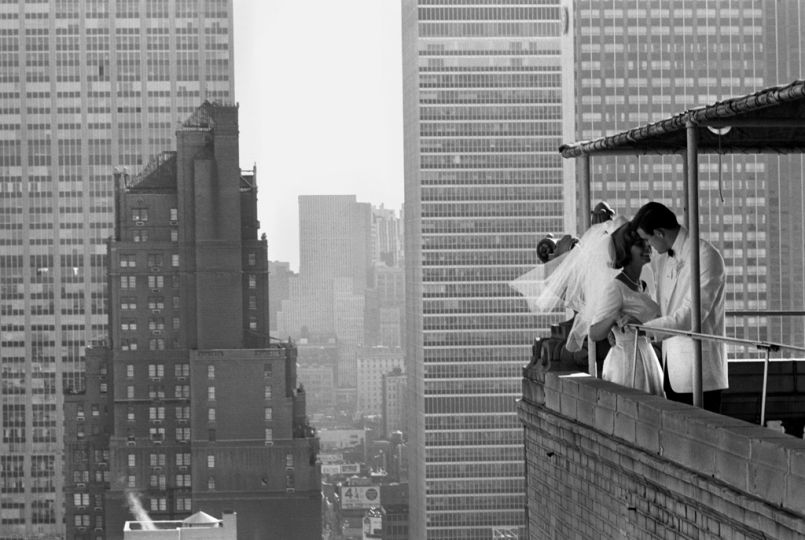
{"type": "Point", "coordinates": [86, 86]}
{"type": "Point", "coordinates": [483, 181]}
{"type": "Point", "coordinates": [372, 364]}
{"type": "Point", "coordinates": [279, 283]}
{"type": "Point", "coordinates": [206, 411]}
{"type": "Point", "coordinates": [635, 64]}
{"type": "Point", "coordinates": [387, 236]}
{"type": "Point", "coordinates": [393, 392]}
{"type": "Point", "coordinates": [328, 296]}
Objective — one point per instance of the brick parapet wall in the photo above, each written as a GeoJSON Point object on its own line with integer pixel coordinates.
{"type": "Point", "coordinates": [604, 461]}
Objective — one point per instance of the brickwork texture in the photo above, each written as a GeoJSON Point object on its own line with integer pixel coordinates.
{"type": "Point", "coordinates": [604, 461]}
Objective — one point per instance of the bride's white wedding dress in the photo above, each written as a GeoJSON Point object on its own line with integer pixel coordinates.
{"type": "Point", "coordinates": [622, 366]}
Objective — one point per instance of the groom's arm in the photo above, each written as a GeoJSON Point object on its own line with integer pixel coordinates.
{"type": "Point", "coordinates": [711, 267]}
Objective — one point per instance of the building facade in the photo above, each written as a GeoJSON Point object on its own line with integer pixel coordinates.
{"type": "Point", "coordinates": [335, 250]}
{"type": "Point", "coordinates": [394, 390]}
{"type": "Point", "coordinates": [86, 86]}
{"type": "Point", "coordinates": [637, 64]}
{"type": "Point", "coordinates": [372, 364]}
{"type": "Point", "coordinates": [206, 410]}
{"type": "Point", "coordinates": [483, 182]}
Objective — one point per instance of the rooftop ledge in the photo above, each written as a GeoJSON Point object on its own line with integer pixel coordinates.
{"type": "Point", "coordinates": [761, 463]}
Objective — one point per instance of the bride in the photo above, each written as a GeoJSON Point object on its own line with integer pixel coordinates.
{"type": "Point", "coordinates": [623, 299]}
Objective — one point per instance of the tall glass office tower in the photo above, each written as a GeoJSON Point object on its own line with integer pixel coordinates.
{"type": "Point", "coordinates": [86, 86]}
{"type": "Point", "coordinates": [483, 182]}
{"type": "Point", "coordinates": [640, 62]}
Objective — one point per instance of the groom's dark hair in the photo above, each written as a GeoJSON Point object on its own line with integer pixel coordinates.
{"type": "Point", "coordinates": [654, 215]}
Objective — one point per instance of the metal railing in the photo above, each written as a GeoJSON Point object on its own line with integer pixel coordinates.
{"type": "Point", "coordinates": [766, 346]}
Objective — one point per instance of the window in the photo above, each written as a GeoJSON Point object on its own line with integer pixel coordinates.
{"type": "Point", "coordinates": [183, 480]}
{"type": "Point", "coordinates": [156, 460]}
{"type": "Point", "coordinates": [132, 481]}
{"type": "Point", "coordinates": [211, 461]}
{"type": "Point", "coordinates": [181, 370]}
{"type": "Point", "coordinates": [211, 415]}
{"type": "Point", "coordinates": [81, 499]}
{"type": "Point", "coordinates": [130, 392]}
{"type": "Point", "coordinates": [128, 302]}
{"type": "Point", "coordinates": [269, 434]}
{"type": "Point", "coordinates": [211, 393]}
{"type": "Point", "coordinates": [128, 325]}
{"type": "Point", "coordinates": [128, 344]}
{"type": "Point", "coordinates": [175, 323]}
{"type": "Point", "coordinates": [175, 260]}
{"type": "Point", "coordinates": [252, 281]}
{"type": "Point", "coordinates": [156, 323]}
{"type": "Point", "coordinates": [128, 282]}
{"type": "Point", "coordinates": [156, 433]}
{"type": "Point", "coordinates": [139, 214]}
{"type": "Point", "coordinates": [154, 260]}
{"type": "Point", "coordinates": [183, 413]}
{"type": "Point", "coordinates": [183, 434]}
{"type": "Point", "coordinates": [159, 504]}
{"type": "Point", "coordinates": [128, 260]}
{"type": "Point", "coordinates": [183, 459]}
{"type": "Point", "coordinates": [156, 370]}
{"type": "Point", "coordinates": [289, 461]}
{"type": "Point", "coordinates": [156, 302]}
{"type": "Point", "coordinates": [182, 391]}
{"type": "Point", "coordinates": [183, 504]}
{"type": "Point", "coordinates": [130, 371]}
{"type": "Point", "coordinates": [252, 323]}
{"type": "Point", "coordinates": [130, 414]}
{"type": "Point", "coordinates": [140, 235]}
{"type": "Point", "coordinates": [175, 302]}
{"type": "Point", "coordinates": [174, 214]}
{"type": "Point", "coordinates": [268, 391]}
{"type": "Point", "coordinates": [252, 302]}
{"type": "Point", "coordinates": [210, 372]}
{"type": "Point", "coordinates": [156, 282]}
{"type": "Point", "coordinates": [156, 344]}
{"type": "Point", "coordinates": [132, 460]}
{"type": "Point", "coordinates": [211, 483]}
{"type": "Point", "coordinates": [269, 414]}
{"type": "Point", "coordinates": [174, 235]}
{"type": "Point", "coordinates": [252, 259]}
{"type": "Point", "coordinates": [156, 413]}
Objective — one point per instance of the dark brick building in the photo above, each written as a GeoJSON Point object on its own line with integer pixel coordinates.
{"type": "Point", "coordinates": [206, 413]}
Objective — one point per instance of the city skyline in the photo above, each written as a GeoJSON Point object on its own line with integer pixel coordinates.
{"type": "Point", "coordinates": [325, 118]}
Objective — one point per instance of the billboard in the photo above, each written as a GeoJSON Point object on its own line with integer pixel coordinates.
{"type": "Point", "coordinates": [340, 468]}
{"type": "Point", "coordinates": [359, 497]}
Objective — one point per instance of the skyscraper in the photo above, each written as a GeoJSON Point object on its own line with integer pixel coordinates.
{"type": "Point", "coordinates": [328, 296]}
{"type": "Point", "coordinates": [206, 411]}
{"type": "Point", "coordinates": [483, 181]}
{"type": "Point", "coordinates": [85, 86]}
{"type": "Point", "coordinates": [635, 64]}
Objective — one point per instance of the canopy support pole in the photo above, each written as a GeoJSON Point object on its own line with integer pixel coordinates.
{"type": "Point", "coordinates": [585, 218]}
{"type": "Point", "coordinates": [692, 181]}
{"type": "Point", "coordinates": [686, 195]}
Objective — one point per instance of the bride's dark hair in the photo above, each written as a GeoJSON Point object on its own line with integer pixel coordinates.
{"type": "Point", "coordinates": [623, 239]}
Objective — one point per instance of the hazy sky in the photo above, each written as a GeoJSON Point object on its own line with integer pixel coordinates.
{"type": "Point", "coordinates": [319, 83]}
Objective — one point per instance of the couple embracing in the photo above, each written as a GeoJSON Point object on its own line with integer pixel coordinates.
{"type": "Point", "coordinates": [665, 304]}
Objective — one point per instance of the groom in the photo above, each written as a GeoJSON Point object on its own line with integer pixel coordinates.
{"type": "Point", "coordinates": [657, 224]}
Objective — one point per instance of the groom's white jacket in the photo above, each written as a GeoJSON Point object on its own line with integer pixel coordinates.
{"type": "Point", "coordinates": [672, 291]}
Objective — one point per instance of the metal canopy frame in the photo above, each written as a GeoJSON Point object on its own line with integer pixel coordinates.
{"type": "Point", "coordinates": [771, 120]}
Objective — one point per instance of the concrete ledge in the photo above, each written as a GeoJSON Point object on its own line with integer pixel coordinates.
{"type": "Point", "coordinates": [702, 447]}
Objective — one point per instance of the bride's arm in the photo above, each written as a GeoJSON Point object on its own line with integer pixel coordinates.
{"type": "Point", "coordinates": [599, 330]}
